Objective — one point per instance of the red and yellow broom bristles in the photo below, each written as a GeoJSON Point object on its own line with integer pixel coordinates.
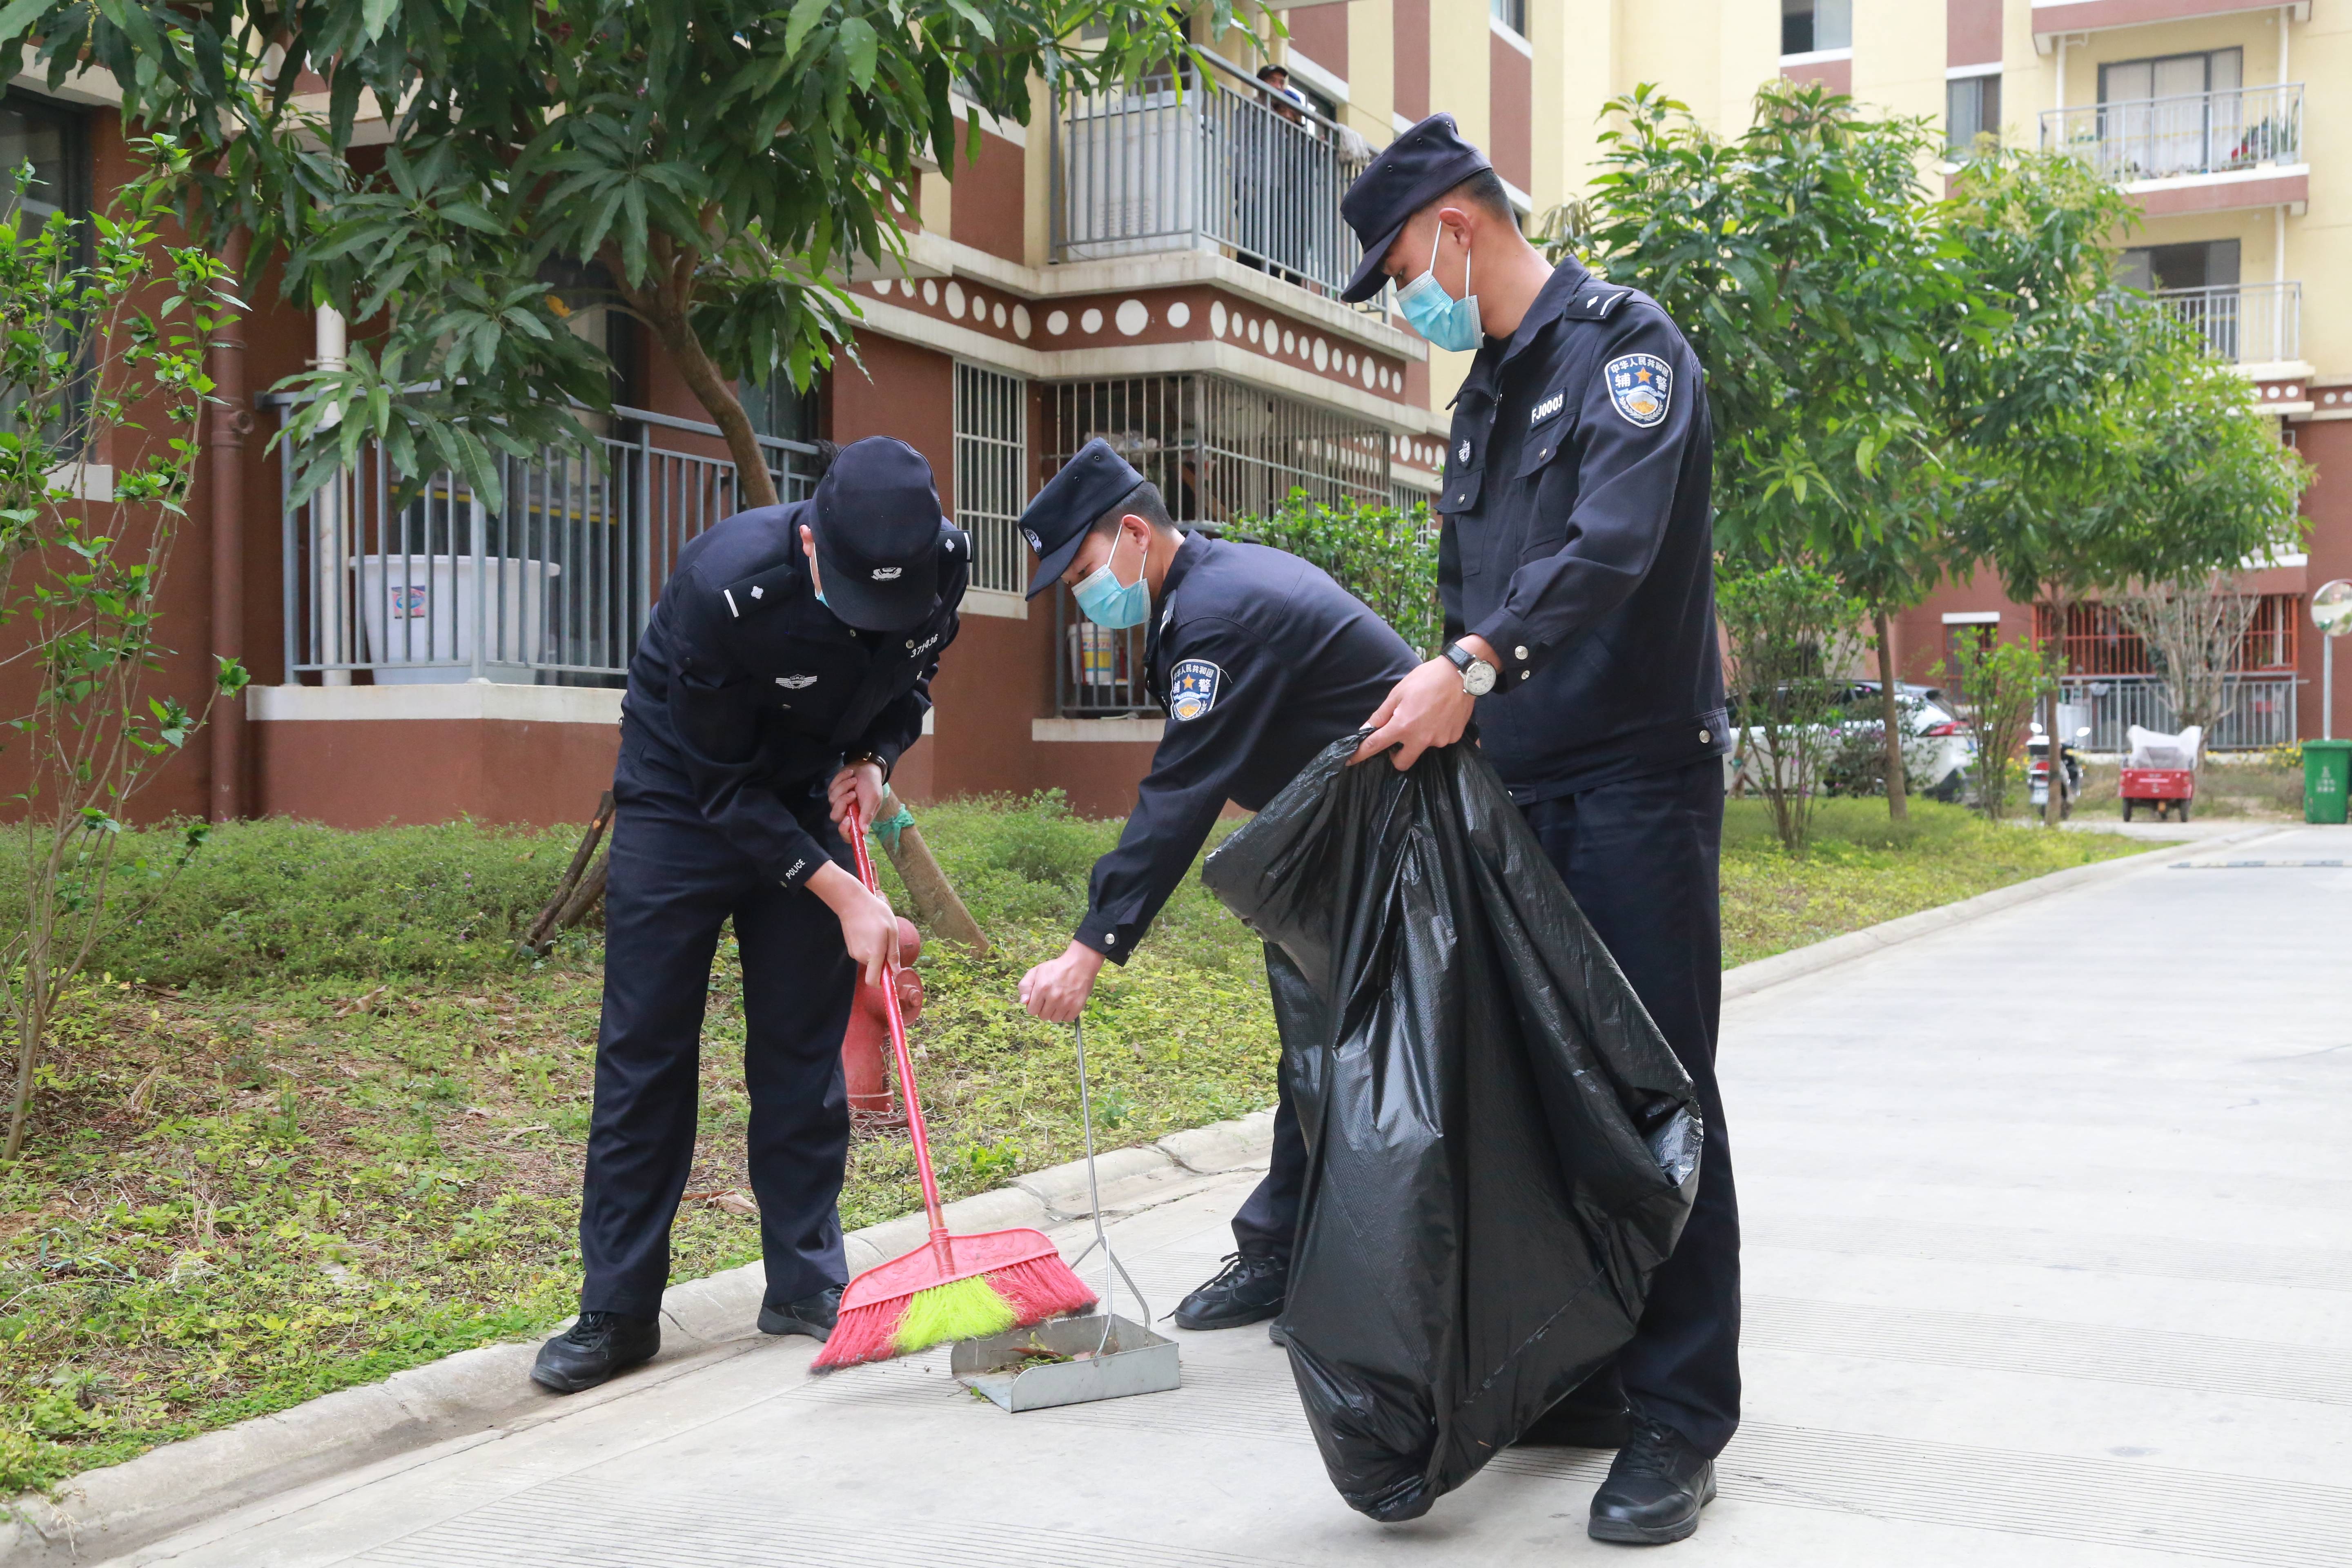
{"type": "Point", "coordinates": [954, 1287]}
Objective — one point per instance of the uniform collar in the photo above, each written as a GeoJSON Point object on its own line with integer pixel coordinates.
{"type": "Point", "coordinates": [1189, 555]}
{"type": "Point", "coordinates": [1559, 292]}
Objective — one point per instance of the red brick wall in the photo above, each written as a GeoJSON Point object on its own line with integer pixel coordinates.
{"type": "Point", "coordinates": [1511, 112]}
{"type": "Point", "coordinates": [1320, 32]}
{"type": "Point", "coordinates": [1410, 22]}
{"type": "Point", "coordinates": [990, 199]}
{"type": "Point", "coordinates": [1835, 75]}
{"type": "Point", "coordinates": [2329, 506]}
{"type": "Point", "coordinates": [1971, 32]}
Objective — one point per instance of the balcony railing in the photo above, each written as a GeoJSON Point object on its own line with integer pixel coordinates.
{"type": "Point", "coordinates": [2261, 709]}
{"type": "Point", "coordinates": [2245, 324]}
{"type": "Point", "coordinates": [1221, 164]}
{"type": "Point", "coordinates": [2136, 138]}
{"type": "Point", "coordinates": [552, 586]}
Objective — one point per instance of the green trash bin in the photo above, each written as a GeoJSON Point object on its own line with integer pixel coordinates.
{"type": "Point", "coordinates": [2326, 778]}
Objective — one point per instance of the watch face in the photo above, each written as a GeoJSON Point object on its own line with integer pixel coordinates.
{"type": "Point", "coordinates": [1478, 677]}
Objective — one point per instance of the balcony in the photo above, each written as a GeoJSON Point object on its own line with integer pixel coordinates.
{"type": "Point", "coordinates": [2240, 132]}
{"type": "Point", "coordinates": [1221, 165]}
{"type": "Point", "coordinates": [2245, 324]}
{"type": "Point", "coordinates": [552, 587]}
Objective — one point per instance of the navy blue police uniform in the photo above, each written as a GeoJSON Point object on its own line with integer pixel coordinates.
{"type": "Point", "coordinates": [746, 695]}
{"type": "Point", "coordinates": [1577, 542]}
{"type": "Point", "coordinates": [1260, 660]}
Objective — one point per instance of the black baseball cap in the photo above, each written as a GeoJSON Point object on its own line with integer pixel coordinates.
{"type": "Point", "coordinates": [1411, 171]}
{"type": "Point", "coordinates": [878, 535]}
{"type": "Point", "coordinates": [1073, 501]}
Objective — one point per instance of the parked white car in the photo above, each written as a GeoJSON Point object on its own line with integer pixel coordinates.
{"type": "Point", "coordinates": [1940, 748]}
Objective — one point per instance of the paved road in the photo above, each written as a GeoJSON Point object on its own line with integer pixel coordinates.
{"type": "Point", "coordinates": [2050, 1262]}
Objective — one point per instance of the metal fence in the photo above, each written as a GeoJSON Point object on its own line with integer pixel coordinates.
{"type": "Point", "coordinates": [552, 586]}
{"type": "Point", "coordinates": [1181, 163]}
{"type": "Point", "coordinates": [2245, 324]}
{"type": "Point", "coordinates": [2194, 133]}
{"type": "Point", "coordinates": [1218, 451]}
{"type": "Point", "coordinates": [2260, 710]}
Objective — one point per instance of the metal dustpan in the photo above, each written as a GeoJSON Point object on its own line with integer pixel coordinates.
{"type": "Point", "coordinates": [1073, 1361]}
{"type": "Point", "coordinates": [1067, 1362]}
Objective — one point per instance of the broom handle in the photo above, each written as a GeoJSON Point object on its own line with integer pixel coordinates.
{"type": "Point", "coordinates": [915, 1127]}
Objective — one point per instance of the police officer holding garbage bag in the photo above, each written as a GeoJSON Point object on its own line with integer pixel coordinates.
{"type": "Point", "coordinates": [1576, 568]}
{"type": "Point", "coordinates": [787, 667]}
{"type": "Point", "coordinates": [1260, 661]}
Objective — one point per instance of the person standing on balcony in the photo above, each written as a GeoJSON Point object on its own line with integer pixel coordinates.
{"type": "Point", "coordinates": [786, 669]}
{"type": "Point", "coordinates": [1260, 660]}
{"type": "Point", "coordinates": [1577, 573]}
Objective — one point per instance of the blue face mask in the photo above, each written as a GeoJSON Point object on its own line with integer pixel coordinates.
{"type": "Point", "coordinates": [1109, 602]}
{"type": "Point", "coordinates": [1447, 323]}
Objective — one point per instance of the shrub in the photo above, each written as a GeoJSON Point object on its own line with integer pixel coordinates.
{"type": "Point", "coordinates": [1385, 557]}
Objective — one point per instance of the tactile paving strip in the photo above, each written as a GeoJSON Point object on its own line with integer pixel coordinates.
{"type": "Point", "coordinates": [2152, 1358]}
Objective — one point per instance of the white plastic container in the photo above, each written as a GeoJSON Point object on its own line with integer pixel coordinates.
{"type": "Point", "coordinates": [421, 611]}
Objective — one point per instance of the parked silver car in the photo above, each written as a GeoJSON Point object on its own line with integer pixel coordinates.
{"type": "Point", "coordinates": [1940, 751]}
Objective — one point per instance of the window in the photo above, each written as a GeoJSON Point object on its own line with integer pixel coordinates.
{"type": "Point", "coordinates": [2204, 264]}
{"type": "Point", "coordinates": [2173, 75]}
{"type": "Point", "coordinates": [992, 455]}
{"type": "Point", "coordinates": [1810, 25]}
{"type": "Point", "coordinates": [1512, 14]}
{"type": "Point", "coordinates": [779, 410]}
{"type": "Point", "coordinates": [1971, 108]}
{"type": "Point", "coordinates": [49, 137]}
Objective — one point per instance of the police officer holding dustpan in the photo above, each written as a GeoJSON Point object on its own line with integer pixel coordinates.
{"type": "Point", "coordinates": [787, 667]}
{"type": "Point", "coordinates": [1576, 568]}
{"type": "Point", "coordinates": [1260, 661]}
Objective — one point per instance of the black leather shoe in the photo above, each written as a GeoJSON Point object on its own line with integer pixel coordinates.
{"type": "Point", "coordinates": [1656, 1486]}
{"type": "Point", "coordinates": [811, 1315]}
{"type": "Point", "coordinates": [1248, 1289]}
{"type": "Point", "coordinates": [593, 1348]}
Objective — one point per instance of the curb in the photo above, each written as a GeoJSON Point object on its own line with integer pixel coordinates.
{"type": "Point", "coordinates": [109, 1511]}
{"type": "Point", "coordinates": [1782, 967]}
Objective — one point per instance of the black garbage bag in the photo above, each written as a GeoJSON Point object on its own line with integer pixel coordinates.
{"type": "Point", "coordinates": [1501, 1148]}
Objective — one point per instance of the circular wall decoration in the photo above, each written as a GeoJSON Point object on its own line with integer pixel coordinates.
{"type": "Point", "coordinates": [955, 301]}
{"type": "Point", "coordinates": [1368, 369]}
{"type": "Point", "coordinates": [1091, 321]}
{"type": "Point", "coordinates": [997, 315]}
{"type": "Point", "coordinates": [1179, 314]}
{"type": "Point", "coordinates": [1133, 316]}
{"type": "Point", "coordinates": [1021, 322]}
{"type": "Point", "coordinates": [1322, 355]}
{"type": "Point", "coordinates": [1217, 318]}
{"type": "Point", "coordinates": [907, 286]}
{"type": "Point", "coordinates": [1057, 322]}
{"type": "Point", "coordinates": [882, 287]}
{"type": "Point", "coordinates": [1253, 328]}
{"type": "Point", "coordinates": [930, 292]}
{"type": "Point", "coordinates": [1289, 341]}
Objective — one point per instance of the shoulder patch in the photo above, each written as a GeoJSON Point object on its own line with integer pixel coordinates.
{"type": "Point", "coordinates": [1594, 302]}
{"type": "Point", "coordinates": [1642, 386]}
{"type": "Point", "coordinates": [1192, 687]}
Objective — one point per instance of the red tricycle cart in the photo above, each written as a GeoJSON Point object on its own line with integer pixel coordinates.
{"type": "Point", "coordinates": [2161, 771]}
{"type": "Point", "coordinates": [2169, 790]}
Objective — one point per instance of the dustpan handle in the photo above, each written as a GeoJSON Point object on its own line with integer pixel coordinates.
{"type": "Point", "coordinates": [916, 1131]}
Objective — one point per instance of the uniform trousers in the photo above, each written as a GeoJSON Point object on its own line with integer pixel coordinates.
{"type": "Point", "coordinates": [1641, 857]}
{"type": "Point", "coordinates": [675, 882]}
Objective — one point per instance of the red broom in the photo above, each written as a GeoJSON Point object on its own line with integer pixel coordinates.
{"type": "Point", "coordinates": [954, 1287]}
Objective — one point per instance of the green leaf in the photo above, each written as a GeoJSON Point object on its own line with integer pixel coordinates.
{"type": "Point", "coordinates": [859, 44]}
{"type": "Point", "coordinates": [806, 14]}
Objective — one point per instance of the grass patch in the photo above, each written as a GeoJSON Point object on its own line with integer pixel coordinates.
{"type": "Point", "coordinates": [2265, 791]}
{"type": "Point", "coordinates": [1862, 868]}
{"type": "Point", "coordinates": [312, 1124]}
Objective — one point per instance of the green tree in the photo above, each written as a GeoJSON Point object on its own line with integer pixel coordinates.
{"type": "Point", "coordinates": [1811, 271]}
{"type": "Point", "coordinates": [1385, 557]}
{"type": "Point", "coordinates": [722, 160]}
{"type": "Point", "coordinates": [2102, 444]}
{"type": "Point", "coordinates": [1784, 622]}
{"type": "Point", "coordinates": [103, 353]}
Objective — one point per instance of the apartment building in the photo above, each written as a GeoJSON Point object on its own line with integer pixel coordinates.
{"type": "Point", "coordinates": [1160, 267]}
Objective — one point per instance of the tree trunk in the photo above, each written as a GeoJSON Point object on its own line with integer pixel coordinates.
{"type": "Point", "coordinates": [1898, 781]}
{"type": "Point", "coordinates": [665, 304]}
{"type": "Point", "coordinates": [936, 902]}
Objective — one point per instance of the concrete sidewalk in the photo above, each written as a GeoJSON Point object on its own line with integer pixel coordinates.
{"type": "Point", "coordinates": [2049, 1262]}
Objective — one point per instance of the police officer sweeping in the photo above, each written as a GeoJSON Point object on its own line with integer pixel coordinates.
{"type": "Point", "coordinates": [786, 668]}
{"type": "Point", "coordinates": [1260, 661]}
{"type": "Point", "coordinates": [1575, 569]}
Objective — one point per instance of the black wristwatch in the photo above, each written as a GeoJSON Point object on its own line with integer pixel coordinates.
{"type": "Point", "coordinates": [1477, 675]}
{"type": "Point", "coordinates": [875, 757]}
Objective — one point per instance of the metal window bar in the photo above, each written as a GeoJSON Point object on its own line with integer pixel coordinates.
{"type": "Point", "coordinates": [1216, 163]}
{"type": "Point", "coordinates": [2260, 710]}
{"type": "Point", "coordinates": [2193, 133]}
{"type": "Point", "coordinates": [2099, 642]}
{"type": "Point", "coordinates": [2245, 324]}
{"type": "Point", "coordinates": [992, 450]}
{"type": "Point", "coordinates": [553, 588]}
{"type": "Point", "coordinates": [1217, 450]}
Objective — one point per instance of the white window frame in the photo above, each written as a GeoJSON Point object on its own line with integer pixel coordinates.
{"type": "Point", "coordinates": [991, 469]}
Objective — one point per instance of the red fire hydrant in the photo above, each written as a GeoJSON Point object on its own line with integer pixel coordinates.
{"type": "Point", "coordinates": [867, 1042]}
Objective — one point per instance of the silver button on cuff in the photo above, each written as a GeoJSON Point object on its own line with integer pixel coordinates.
{"type": "Point", "coordinates": [1525, 673]}
{"type": "Point", "coordinates": [1110, 939]}
{"type": "Point", "coordinates": [1704, 737]}
{"type": "Point", "coordinates": [1519, 652]}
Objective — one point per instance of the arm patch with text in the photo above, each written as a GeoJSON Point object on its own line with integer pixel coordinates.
{"type": "Point", "coordinates": [1192, 687]}
{"type": "Point", "coordinates": [1642, 386]}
